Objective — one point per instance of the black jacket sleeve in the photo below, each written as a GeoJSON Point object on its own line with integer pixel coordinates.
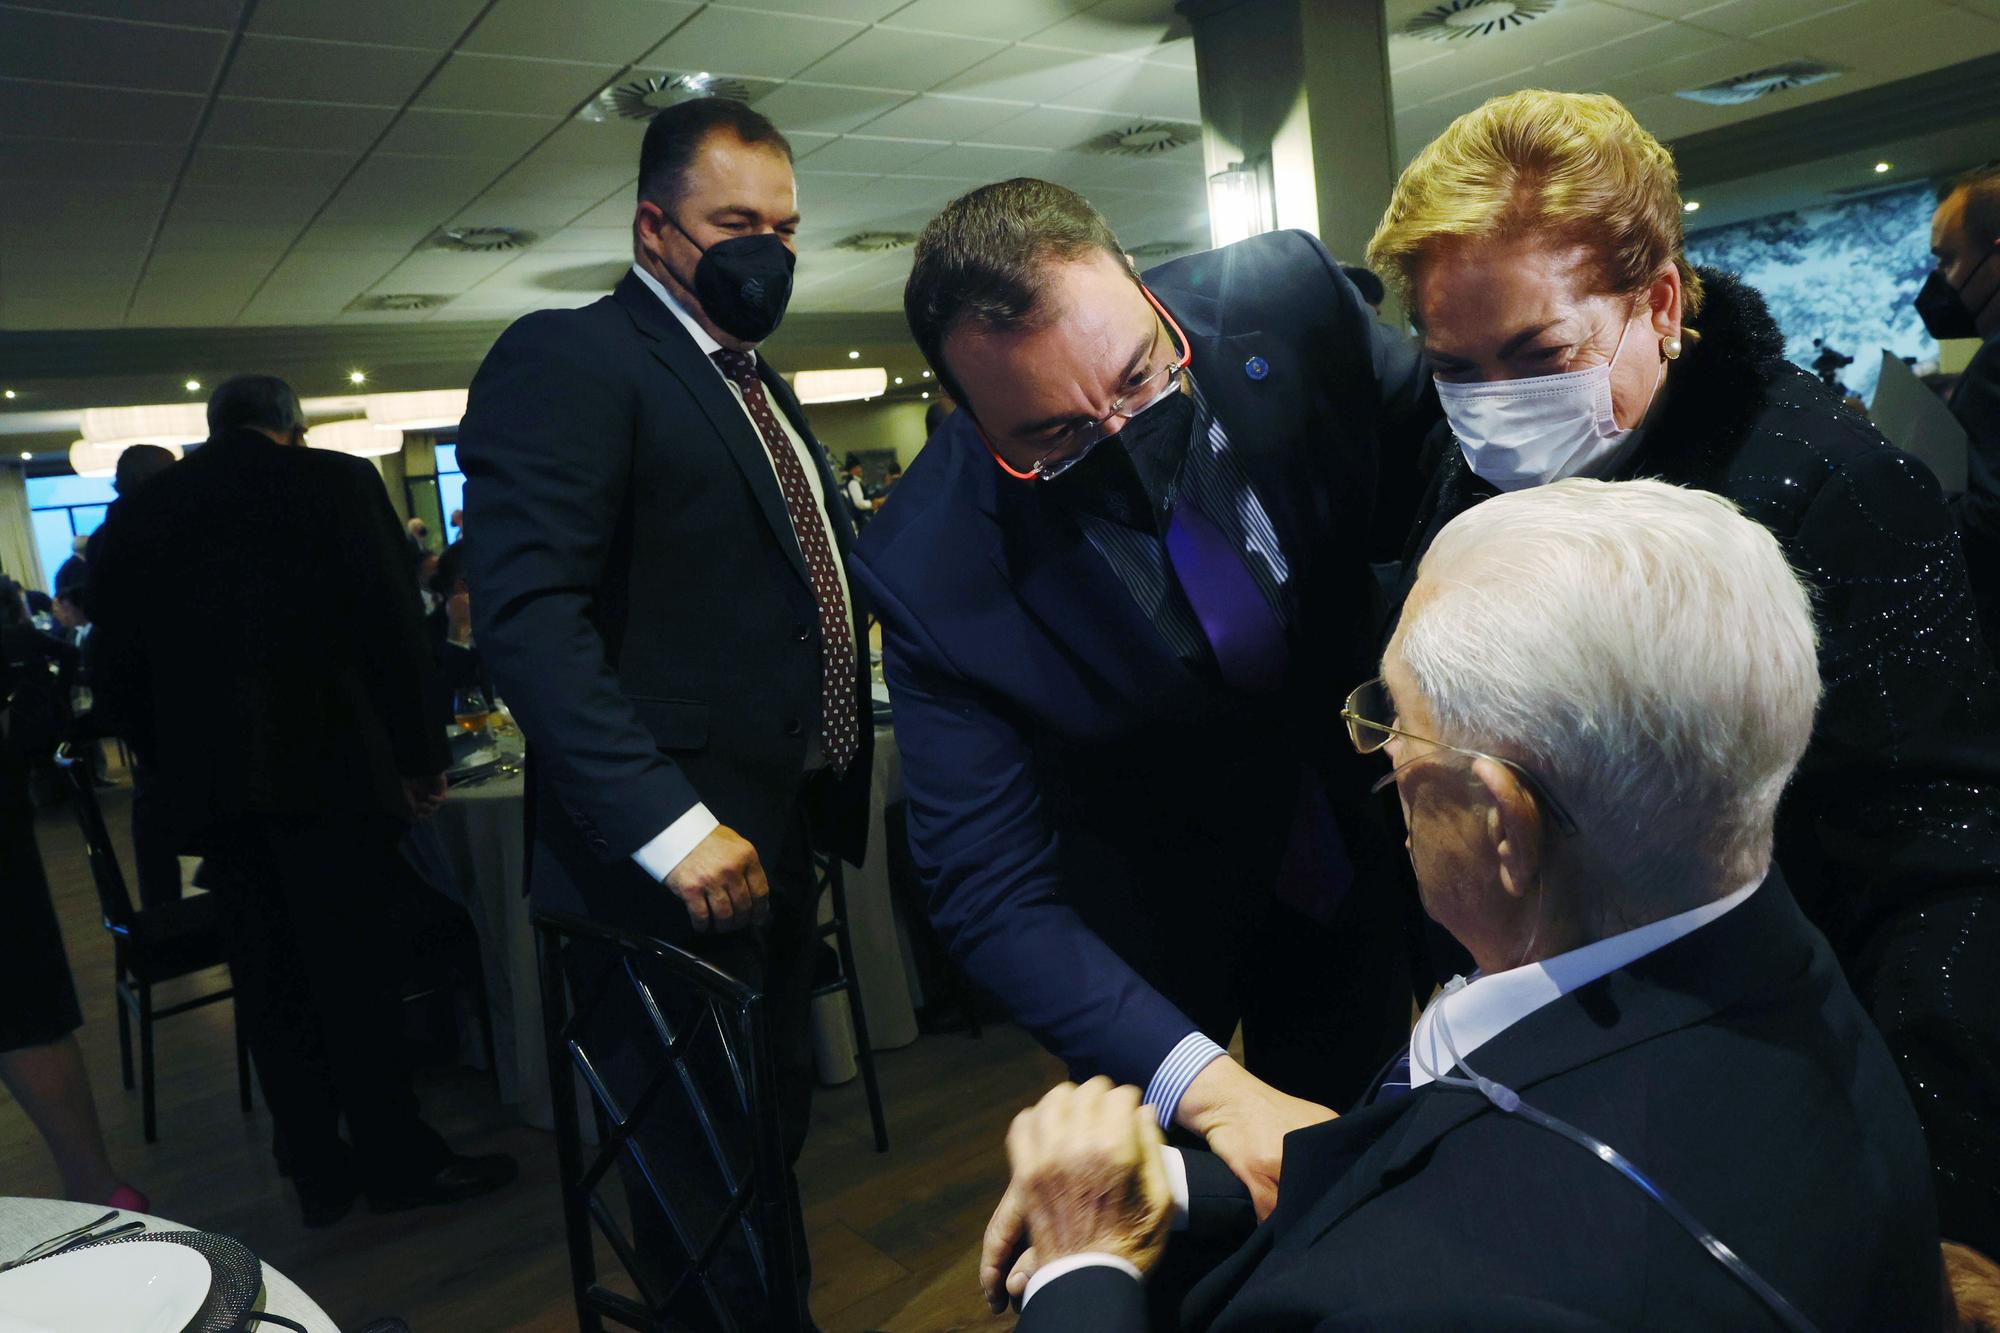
{"type": "Point", "coordinates": [1098, 1298]}
{"type": "Point", "coordinates": [1976, 404]}
{"type": "Point", "coordinates": [1219, 1205]}
{"type": "Point", "coordinates": [547, 447]}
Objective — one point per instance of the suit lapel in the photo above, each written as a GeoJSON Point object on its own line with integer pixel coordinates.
{"type": "Point", "coordinates": [674, 349]}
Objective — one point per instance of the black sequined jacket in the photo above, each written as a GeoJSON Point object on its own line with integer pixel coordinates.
{"type": "Point", "coordinates": [1895, 804]}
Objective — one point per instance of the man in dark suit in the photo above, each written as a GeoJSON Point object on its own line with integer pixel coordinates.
{"type": "Point", "coordinates": [1115, 590]}
{"type": "Point", "coordinates": [1644, 983]}
{"type": "Point", "coordinates": [259, 646]}
{"type": "Point", "coordinates": [1961, 299]}
{"type": "Point", "coordinates": [658, 587]}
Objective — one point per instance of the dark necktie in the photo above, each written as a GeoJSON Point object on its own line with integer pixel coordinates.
{"type": "Point", "coordinates": [1395, 1081]}
{"type": "Point", "coordinates": [1249, 642]}
{"type": "Point", "coordinates": [840, 734]}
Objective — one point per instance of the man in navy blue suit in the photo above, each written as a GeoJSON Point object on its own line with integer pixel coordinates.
{"type": "Point", "coordinates": [1117, 590]}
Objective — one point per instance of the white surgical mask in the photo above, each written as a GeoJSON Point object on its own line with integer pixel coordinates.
{"type": "Point", "coordinates": [1528, 432]}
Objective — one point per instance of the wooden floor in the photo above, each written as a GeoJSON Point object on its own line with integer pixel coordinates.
{"type": "Point", "coordinates": [894, 1238]}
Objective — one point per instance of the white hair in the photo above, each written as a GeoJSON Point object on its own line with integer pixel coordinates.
{"type": "Point", "coordinates": [1643, 649]}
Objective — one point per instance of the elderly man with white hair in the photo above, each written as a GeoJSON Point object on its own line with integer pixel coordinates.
{"type": "Point", "coordinates": [1655, 1104]}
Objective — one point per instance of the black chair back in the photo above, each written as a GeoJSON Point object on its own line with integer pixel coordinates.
{"type": "Point", "coordinates": [676, 1057]}
{"type": "Point", "coordinates": [113, 897]}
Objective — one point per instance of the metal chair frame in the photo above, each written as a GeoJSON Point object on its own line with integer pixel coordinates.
{"type": "Point", "coordinates": [758, 1201]}
{"type": "Point", "coordinates": [132, 993]}
{"type": "Point", "coordinates": [830, 878]}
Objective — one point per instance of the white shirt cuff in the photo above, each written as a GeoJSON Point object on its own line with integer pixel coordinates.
{"type": "Point", "coordinates": [1177, 1186]}
{"type": "Point", "coordinates": [1069, 1263]}
{"type": "Point", "coordinates": [672, 844]}
{"type": "Point", "coordinates": [1190, 1055]}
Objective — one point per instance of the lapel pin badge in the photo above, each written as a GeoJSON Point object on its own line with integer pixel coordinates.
{"type": "Point", "coordinates": [1256, 367]}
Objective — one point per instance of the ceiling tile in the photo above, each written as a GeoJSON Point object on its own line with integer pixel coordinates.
{"type": "Point", "coordinates": [1747, 18]}
{"type": "Point", "coordinates": [1035, 74]}
{"type": "Point", "coordinates": [590, 240]}
{"type": "Point", "coordinates": [746, 42]}
{"type": "Point", "coordinates": [232, 205]}
{"type": "Point", "coordinates": [1638, 55]}
{"type": "Point", "coordinates": [441, 271]}
{"type": "Point", "coordinates": [888, 58]}
{"type": "Point", "coordinates": [104, 216]}
{"type": "Point", "coordinates": [861, 11]}
{"type": "Point", "coordinates": [545, 174]}
{"type": "Point", "coordinates": [340, 237]}
{"type": "Point", "coordinates": [863, 153]}
{"type": "Point", "coordinates": [298, 70]}
{"type": "Point", "coordinates": [1137, 88]}
{"type": "Point", "coordinates": [937, 116]}
{"type": "Point", "coordinates": [1921, 43]}
{"type": "Point", "coordinates": [199, 236]}
{"type": "Point", "coordinates": [807, 142]}
{"type": "Point", "coordinates": [612, 31]}
{"type": "Point", "coordinates": [38, 45]}
{"type": "Point", "coordinates": [613, 212]}
{"type": "Point", "coordinates": [1054, 127]}
{"type": "Point", "coordinates": [408, 190]}
{"type": "Point", "coordinates": [433, 24]}
{"type": "Point", "coordinates": [60, 161]}
{"type": "Point", "coordinates": [76, 112]}
{"type": "Point", "coordinates": [1118, 27]}
{"type": "Point", "coordinates": [508, 83]}
{"type": "Point", "coordinates": [540, 214]}
{"type": "Point", "coordinates": [264, 168]}
{"type": "Point", "coordinates": [467, 133]}
{"type": "Point", "coordinates": [238, 122]}
{"type": "Point", "coordinates": [614, 143]}
{"type": "Point", "coordinates": [220, 14]}
{"type": "Point", "coordinates": [825, 107]}
{"type": "Point", "coordinates": [818, 189]}
{"type": "Point", "coordinates": [1008, 20]}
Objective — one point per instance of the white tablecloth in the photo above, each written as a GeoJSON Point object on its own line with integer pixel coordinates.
{"type": "Point", "coordinates": [25, 1222]}
{"type": "Point", "coordinates": [479, 836]}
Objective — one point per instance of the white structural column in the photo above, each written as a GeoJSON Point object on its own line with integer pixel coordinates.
{"type": "Point", "coordinates": [1298, 92]}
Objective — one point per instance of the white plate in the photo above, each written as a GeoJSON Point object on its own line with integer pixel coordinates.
{"type": "Point", "coordinates": [151, 1286]}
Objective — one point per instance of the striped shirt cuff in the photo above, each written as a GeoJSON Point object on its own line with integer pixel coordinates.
{"type": "Point", "coordinates": [1190, 1055]}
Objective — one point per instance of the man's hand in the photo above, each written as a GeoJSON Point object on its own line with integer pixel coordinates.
{"type": "Point", "coordinates": [1245, 1121]}
{"type": "Point", "coordinates": [424, 795]}
{"type": "Point", "coordinates": [1087, 1179]}
{"type": "Point", "coordinates": [722, 884]}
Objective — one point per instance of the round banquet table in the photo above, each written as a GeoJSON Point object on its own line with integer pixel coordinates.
{"type": "Point", "coordinates": [26, 1222]}
{"type": "Point", "coordinates": [472, 850]}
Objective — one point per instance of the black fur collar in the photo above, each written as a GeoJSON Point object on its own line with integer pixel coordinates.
{"type": "Point", "coordinates": [1717, 389]}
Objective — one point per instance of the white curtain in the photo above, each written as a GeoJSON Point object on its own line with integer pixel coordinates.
{"type": "Point", "coordinates": [17, 536]}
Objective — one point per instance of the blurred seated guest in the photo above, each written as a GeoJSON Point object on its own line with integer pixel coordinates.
{"type": "Point", "coordinates": [419, 534]}
{"type": "Point", "coordinates": [41, 608]}
{"type": "Point", "coordinates": [1961, 299]}
{"type": "Point", "coordinates": [41, 668]}
{"type": "Point", "coordinates": [459, 667]}
{"type": "Point", "coordinates": [427, 567]}
{"type": "Point", "coordinates": [855, 491]}
{"type": "Point", "coordinates": [1371, 288]}
{"type": "Point", "coordinates": [40, 1062]}
{"type": "Point", "coordinates": [457, 526]}
{"type": "Point", "coordinates": [261, 647]}
{"type": "Point", "coordinates": [136, 466]}
{"type": "Point", "coordinates": [74, 572]}
{"type": "Point", "coordinates": [72, 621]}
{"type": "Point", "coordinates": [1593, 700]}
{"type": "Point", "coordinates": [1537, 243]}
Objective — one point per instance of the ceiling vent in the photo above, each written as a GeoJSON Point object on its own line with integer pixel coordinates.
{"type": "Point", "coordinates": [482, 240]}
{"type": "Point", "coordinates": [1761, 83]}
{"type": "Point", "coordinates": [1160, 249]}
{"type": "Point", "coordinates": [1144, 138]}
{"type": "Point", "coordinates": [642, 99]}
{"type": "Point", "coordinates": [1457, 20]}
{"type": "Point", "coordinates": [404, 301]}
{"type": "Point", "coordinates": [876, 242]}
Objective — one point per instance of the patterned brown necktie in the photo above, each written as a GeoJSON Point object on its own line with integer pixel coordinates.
{"type": "Point", "coordinates": [840, 719]}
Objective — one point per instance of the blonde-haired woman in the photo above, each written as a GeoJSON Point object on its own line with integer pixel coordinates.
{"type": "Point", "coordinates": [1537, 245]}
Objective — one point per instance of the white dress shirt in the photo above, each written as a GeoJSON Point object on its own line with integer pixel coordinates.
{"type": "Point", "coordinates": [1477, 1011]}
{"type": "Point", "coordinates": [672, 844]}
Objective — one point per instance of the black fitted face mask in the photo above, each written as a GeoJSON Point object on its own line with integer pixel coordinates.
{"type": "Point", "coordinates": [743, 283]}
{"type": "Point", "coordinates": [1942, 307]}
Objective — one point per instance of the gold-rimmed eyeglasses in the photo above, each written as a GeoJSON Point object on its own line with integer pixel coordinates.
{"type": "Point", "coordinates": [1370, 715]}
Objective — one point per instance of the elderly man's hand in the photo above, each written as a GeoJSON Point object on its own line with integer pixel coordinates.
{"type": "Point", "coordinates": [1087, 1178]}
{"type": "Point", "coordinates": [1245, 1120]}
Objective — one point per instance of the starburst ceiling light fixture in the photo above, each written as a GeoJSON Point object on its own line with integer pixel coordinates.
{"type": "Point", "coordinates": [483, 240]}
{"type": "Point", "coordinates": [1741, 88]}
{"type": "Point", "coordinates": [644, 98]}
{"type": "Point", "coordinates": [876, 242]}
{"type": "Point", "coordinates": [1143, 138]}
{"type": "Point", "coordinates": [1460, 20]}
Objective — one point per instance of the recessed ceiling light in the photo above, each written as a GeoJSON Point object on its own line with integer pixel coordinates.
{"type": "Point", "coordinates": [10, 393]}
{"type": "Point", "coordinates": [1691, 206]}
{"type": "Point", "coordinates": [854, 356]}
{"type": "Point", "coordinates": [356, 377]}
{"type": "Point", "coordinates": [927, 374]}
{"type": "Point", "coordinates": [192, 386]}
{"type": "Point", "coordinates": [899, 379]}
{"type": "Point", "coordinates": [925, 394]}
{"type": "Point", "coordinates": [26, 456]}
{"type": "Point", "coordinates": [1881, 167]}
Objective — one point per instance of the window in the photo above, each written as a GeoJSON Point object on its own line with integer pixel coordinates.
{"type": "Point", "coordinates": [451, 484]}
{"type": "Point", "coordinates": [61, 509]}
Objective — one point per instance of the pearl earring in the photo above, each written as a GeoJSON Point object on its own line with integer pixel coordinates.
{"type": "Point", "coordinates": [1670, 349]}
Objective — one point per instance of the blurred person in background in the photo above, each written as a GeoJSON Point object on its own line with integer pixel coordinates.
{"type": "Point", "coordinates": [459, 666]}
{"type": "Point", "coordinates": [40, 1062]}
{"type": "Point", "coordinates": [855, 491]}
{"type": "Point", "coordinates": [1537, 244]}
{"type": "Point", "coordinates": [1961, 299]}
{"type": "Point", "coordinates": [263, 650]}
{"type": "Point", "coordinates": [419, 533]}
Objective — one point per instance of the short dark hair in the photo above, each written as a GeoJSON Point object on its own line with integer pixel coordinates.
{"type": "Point", "coordinates": [1982, 201]}
{"type": "Point", "coordinates": [138, 464]}
{"type": "Point", "coordinates": [981, 261]}
{"type": "Point", "coordinates": [260, 402]}
{"type": "Point", "coordinates": [450, 569]}
{"type": "Point", "coordinates": [1364, 280]}
{"type": "Point", "coordinates": [677, 134]}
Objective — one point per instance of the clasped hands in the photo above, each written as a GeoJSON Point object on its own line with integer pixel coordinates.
{"type": "Point", "coordinates": [1088, 1175]}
